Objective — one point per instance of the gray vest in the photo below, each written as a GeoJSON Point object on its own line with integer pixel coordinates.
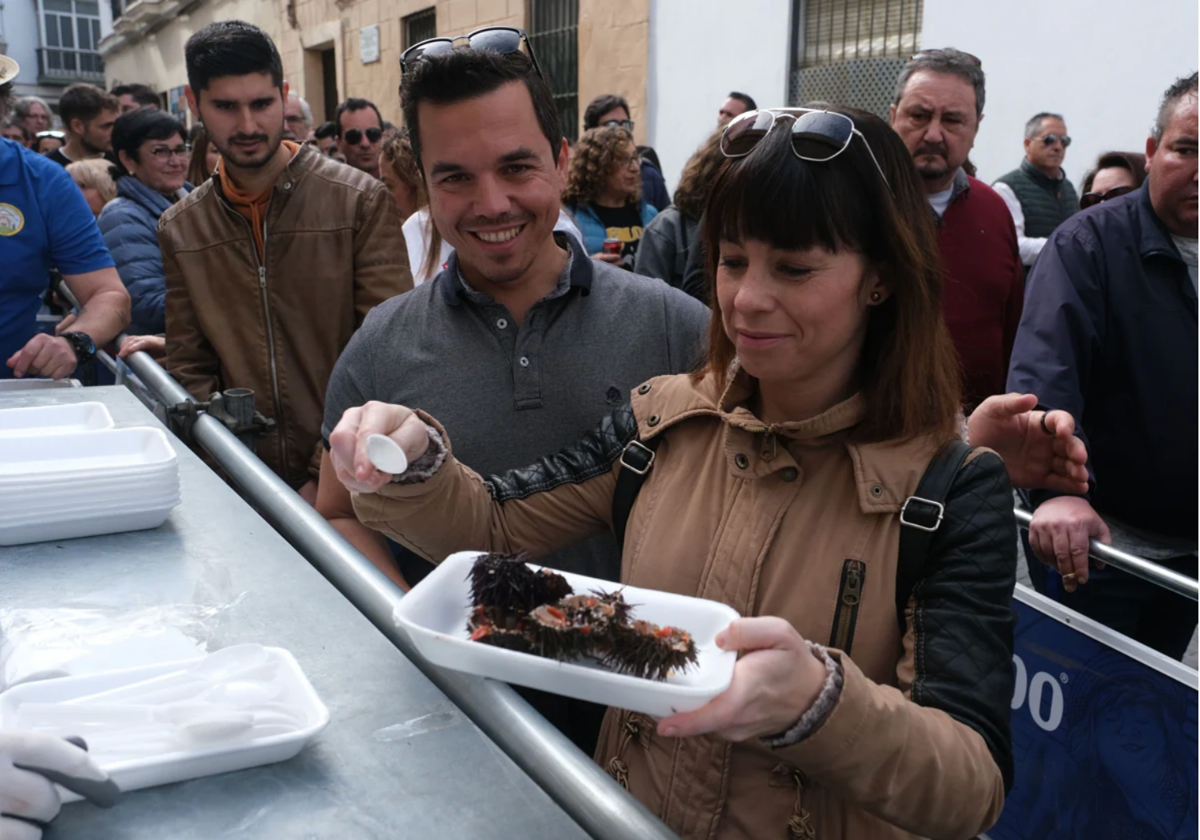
{"type": "Point", "coordinates": [1045, 202]}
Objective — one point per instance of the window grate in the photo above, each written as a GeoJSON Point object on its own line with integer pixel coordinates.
{"type": "Point", "coordinates": [850, 52]}
{"type": "Point", "coordinates": [419, 26]}
{"type": "Point", "coordinates": [554, 35]}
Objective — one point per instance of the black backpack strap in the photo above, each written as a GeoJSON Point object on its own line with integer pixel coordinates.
{"type": "Point", "coordinates": [636, 461]}
{"type": "Point", "coordinates": [920, 518]}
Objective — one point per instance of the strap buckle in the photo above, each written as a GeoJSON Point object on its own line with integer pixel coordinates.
{"type": "Point", "coordinates": [926, 510]}
{"type": "Point", "coordinates": [642, 454]}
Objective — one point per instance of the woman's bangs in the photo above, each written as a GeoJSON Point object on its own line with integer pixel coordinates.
{"type": "Point", "coordinates": [772, 196]}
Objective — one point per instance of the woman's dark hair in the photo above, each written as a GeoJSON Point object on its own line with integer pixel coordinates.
{"type": "Point", "coordinates": [908, 371]}
{"type": "Point", "coordinates": [463, 73]}
{"type": "Point", "coordinates": [198, 172]}
{"type": "Point", "coordinates": [131, 130]}
{"type": "Point", "coordinates": [591, 164]}
{"type": "Point", "coordinates": [600, 106]}
{"type": "Point", "coordinates": [1133, 162]}
{"type": "Point", "coordinates": [326, 130]}
{"type": "Point", "coordinates": [698, 176]}
{"type": "Point", "coordinates": [230, 48]}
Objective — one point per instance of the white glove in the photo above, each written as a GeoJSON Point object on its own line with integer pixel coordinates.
{"type": "Point", "coordinates": [26, 794]}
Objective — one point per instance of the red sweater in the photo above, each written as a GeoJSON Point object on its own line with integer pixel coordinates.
{"type": "Point", "coordinates": [985, 286]}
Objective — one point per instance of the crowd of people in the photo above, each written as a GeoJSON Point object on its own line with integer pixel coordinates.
{"type": "Point", "coordinates": [794, 353]}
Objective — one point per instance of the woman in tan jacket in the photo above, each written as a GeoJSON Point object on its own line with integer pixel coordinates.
{"type": "Point", "coordinates": [863, 706]}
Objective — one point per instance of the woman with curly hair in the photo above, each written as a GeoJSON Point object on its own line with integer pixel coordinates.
{"type": "Point", "coordinates": [604, 193]}
{"type": "Point", "coordinates": [670, 248]}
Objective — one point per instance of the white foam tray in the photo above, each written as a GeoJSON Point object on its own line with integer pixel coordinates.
{"type": "Point", "coordinates": [95, 481]}
{"type": "Point", "coordinates": [55, 419]}
{"type": "Point", "coordinates": [88, 526]}
{"type": "Point", "coordinates": [76, 454]}
{"type": "Point", "coordinates": [435, 612]}
{"type": "Point", "coordinates": [36, 384]}
{"type": "Point", "coordinates": [138, 773]}
{"type": "Point", "coordinates": [159, 485]}
{"type": "Point", "coordinates": [15, 513]}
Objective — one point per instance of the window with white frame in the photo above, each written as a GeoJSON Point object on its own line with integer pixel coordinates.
{"type": "Point", "coordinates": [70, 33]}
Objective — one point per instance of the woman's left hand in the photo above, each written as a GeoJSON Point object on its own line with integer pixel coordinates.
{"type": "Point", "coordinates": [775, 681]}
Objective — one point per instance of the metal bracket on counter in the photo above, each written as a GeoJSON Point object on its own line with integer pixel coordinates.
{"type": "Point", "coordinates": [234, 409]}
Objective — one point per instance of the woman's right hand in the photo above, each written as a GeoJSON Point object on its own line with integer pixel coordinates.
{"type": "Point", "coordinates": [611, 259]}
{"type": "Point", "coordinates": [348, 443]}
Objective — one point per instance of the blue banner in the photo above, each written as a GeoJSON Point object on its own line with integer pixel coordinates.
{"type": "Point", "coordinates": [1104, 739]}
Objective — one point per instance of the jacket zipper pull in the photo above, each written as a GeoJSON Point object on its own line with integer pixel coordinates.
{"type": "Point", "coordinates": [262, 277]}
{"type": "Point", "coordinates": [853, 592]}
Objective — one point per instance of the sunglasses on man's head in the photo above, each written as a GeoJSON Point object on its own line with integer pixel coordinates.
{"type": "Point", "coordinates": [1051, 139]}
{"type": "Point", "coordinates": [504, 40]}
{"type": "Point", "coordinates": [817, 136]}
{"type": "Point", "coordinates": [1092, 199]}
{"type": "Point", "coordinates": [354, 136]}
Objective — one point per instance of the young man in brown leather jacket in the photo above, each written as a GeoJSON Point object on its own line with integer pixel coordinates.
{"type": "Point", "coordinates": [272, 265]}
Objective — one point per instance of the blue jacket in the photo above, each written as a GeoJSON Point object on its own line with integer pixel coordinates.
{"type": "Point", "coordinates": [1109, 334]}
{"type": "Point", "coordinates": [593, 230]}
{"type": "Point", "coordinates": [129, 224]}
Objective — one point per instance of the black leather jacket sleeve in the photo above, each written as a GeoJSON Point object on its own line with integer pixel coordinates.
{"type": "Point", "coordinates": [962, 617]}
{"type": "Point", "coordinates": [593, 454]}
{"type": "Point", "coordinates": [538, 509]}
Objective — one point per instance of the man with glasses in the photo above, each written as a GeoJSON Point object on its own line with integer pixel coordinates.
{"type": "Point", "coordinates": [1038, 194]}
{"type": "Point", "coordinates": [610, 110]}
{"type": "Point", "coordinates": [360, 134]}
{"type": "Point", "coordinates": [1109, 335]}
{"type": "Point", "coordinates": [936, 110]}
{"type": "Point", "coordinates": [271, 265]}
{"type": "Point", "coordinates": [297, 119]}
{"type": "Point", "coordinates": [522, 341]}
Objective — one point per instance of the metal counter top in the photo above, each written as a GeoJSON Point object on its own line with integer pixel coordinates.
{"type": "Point", "coordinates": [398, 759]}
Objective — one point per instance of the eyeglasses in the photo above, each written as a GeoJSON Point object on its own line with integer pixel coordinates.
{"type": "Point", "coordinates": [1050, 139]}
{"type": "Point", "coordinates": [1092, 199]}
{"type": "Point", "coordinates": [57, 135]}
{"type": "Point", "coordinates": [498, 39]}
{"type": "Point", "coordinates": [624, 161]}
{"type": "Point", "coordinates": [817, 136]}
{"type": "Point", "coordinates": [163, 153]}
{"type": "Point", "coordinates": [354, 136]}
{"type": "Point", "coordinates": [294, 118]}
{"type": "Point", "coordinates": [625, 124]}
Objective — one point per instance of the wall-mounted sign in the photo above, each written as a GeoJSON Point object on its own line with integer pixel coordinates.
{"type": "Point", "coordinates": [368, 44]}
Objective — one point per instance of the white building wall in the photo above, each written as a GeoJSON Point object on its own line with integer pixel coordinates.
{"type": "Point", "coordinates": [1103, 64]}
{"type": "Point", "coordinates": [699, 51]}
{"type": "Point", "coordinates": [20, 30]}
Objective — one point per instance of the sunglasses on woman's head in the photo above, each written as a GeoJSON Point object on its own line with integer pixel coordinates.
{"type": "Point", "coordinates": [817, 136]}
{"type": "Point", "coordinates": [354, 136]}
{"type": "Point", "coordinates": [498, 39]}
{"type": "Point", "coordinates": [1092, 199]}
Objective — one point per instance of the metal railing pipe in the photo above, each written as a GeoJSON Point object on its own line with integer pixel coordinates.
{"type": "Point", "coordinates": [580, 787]}
{"type": "Point", "coordinates": [1134, 565]}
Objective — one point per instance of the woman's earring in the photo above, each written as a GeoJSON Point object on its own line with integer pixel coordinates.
{"type": "Point", "coordinates": [876, 297]}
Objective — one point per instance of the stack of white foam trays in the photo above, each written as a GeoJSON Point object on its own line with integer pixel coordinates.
{"type": "Point", "coordinates": [65, 472]}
